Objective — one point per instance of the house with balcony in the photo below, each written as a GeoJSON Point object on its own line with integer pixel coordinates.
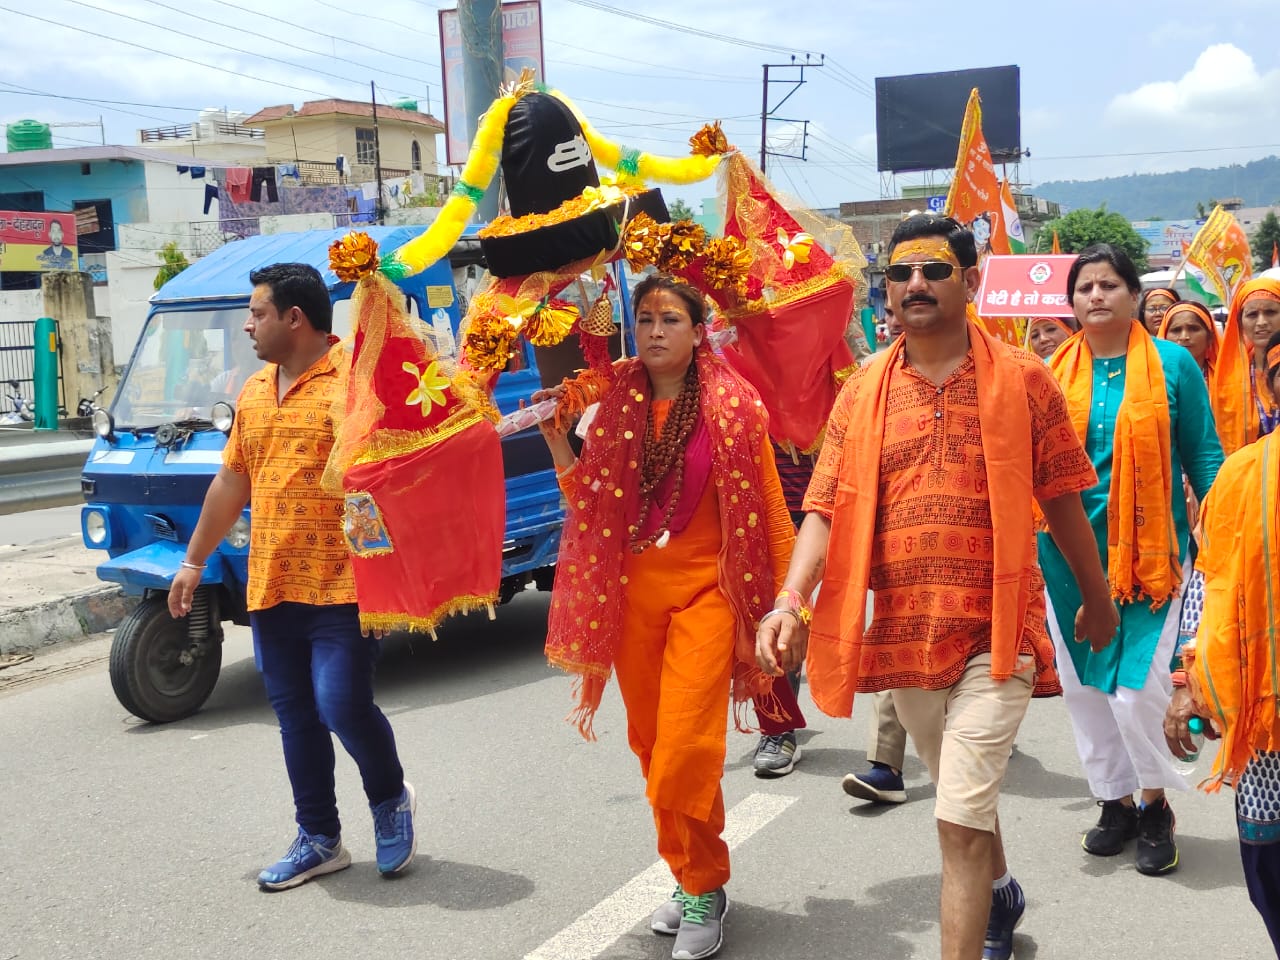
{"type": "Point", "coordinates": [314, 135]}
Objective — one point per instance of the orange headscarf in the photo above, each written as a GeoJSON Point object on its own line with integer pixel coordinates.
{"type": "Point", "coordinates": [1235, 407]}
{"type": "Point", "coordinates": [835, 647]}
{"type": "Point", "coordinates": [1142, 550]}
{"type": "Point", "coordinates": [1056, 321]}
{"type": "Point", "coordinates": [1235, 667]}
{"type": "Point", "coordinates": [1206, 320]}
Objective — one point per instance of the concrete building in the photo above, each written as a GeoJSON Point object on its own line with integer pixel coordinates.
{"type": "Point", "coordinates": [216, 135]}
{"type": "Point", "coordinates": [315, 134]}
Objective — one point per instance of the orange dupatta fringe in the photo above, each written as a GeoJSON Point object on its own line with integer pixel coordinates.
{"type": "Point", "coordinates": [1142, 550]}
{"type": "Point", "coordinates": [835, 645]}
{"type": "Point", "coordinates": [1235, 664]}
{"type": "Point", "coordinates": [584, 625]}
{"type": "Point", "coordinates": [1231, 392]}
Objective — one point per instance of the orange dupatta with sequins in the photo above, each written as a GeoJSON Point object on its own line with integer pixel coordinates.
{"type": "Point", "coordinates": [1235, 670]}
{"type": "Point", "coordinates": [1142, 548]}
{"type": "Point", "coordinates": [584, 626]}
{"type": "Point", "coordinates": [1231, 390]}
{"type": "Point", "coordinates": [839, 620]}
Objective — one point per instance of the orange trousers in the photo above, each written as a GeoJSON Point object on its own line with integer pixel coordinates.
{"type": "Point", "coordinates": [673, 667]}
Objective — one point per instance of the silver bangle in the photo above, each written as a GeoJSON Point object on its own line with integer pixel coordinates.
{"type": "Point", "coordinates": [777, 610]}
{"type": "Point", "coordinates": [191, 566]}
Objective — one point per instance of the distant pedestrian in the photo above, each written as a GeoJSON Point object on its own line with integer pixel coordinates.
{"type": "Point", "coordinates": [317, 667]}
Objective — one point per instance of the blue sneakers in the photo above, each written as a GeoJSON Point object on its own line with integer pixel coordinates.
{"type": "Point", "coordinates": [393, 831]}
{"type": "Point", "coordinates": [311, 855]}
{"type": "Point", "coordinates": [1007, 907]}
{"type": "Point", "coordinates": [879, 785]}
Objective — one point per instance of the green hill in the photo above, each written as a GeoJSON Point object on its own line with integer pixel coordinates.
{"type": "Point", "coordinates": [1170, 196]}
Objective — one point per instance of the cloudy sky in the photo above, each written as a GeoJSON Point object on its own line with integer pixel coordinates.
{"type": "Point", "coordinates": [1108, 88]}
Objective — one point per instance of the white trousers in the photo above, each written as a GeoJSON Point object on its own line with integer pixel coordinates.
{"type": "Point", "coordinates": [1120, 736]}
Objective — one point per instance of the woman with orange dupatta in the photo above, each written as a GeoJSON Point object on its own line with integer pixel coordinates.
{"type": "Point", "coordinates": [1141, 409]}
{"type": "Point", "coordinates": [1232, 673]}
{"type": "Point", "coordinates": [1153, 305]}
{"type": "Point", "coordinates": [1243, 405]}
{"type": "Point", "coordinates": [1189, 324]}
{"type": "Point", "coordinates": [676, 538]}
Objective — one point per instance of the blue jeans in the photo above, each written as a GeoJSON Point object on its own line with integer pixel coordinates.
{"type": "Point", "coordinates": [318, 671]}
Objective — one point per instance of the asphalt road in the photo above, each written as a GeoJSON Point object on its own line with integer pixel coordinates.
{"type": "Point", "coordinates": [126, 841]}
{"type": "Point", "coordinates": [36, 526]}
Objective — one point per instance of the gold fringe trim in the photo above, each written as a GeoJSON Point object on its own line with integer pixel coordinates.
{"type": "Point", "coordinates": [427, 624]}
{"type": "Point", "coordinates": [387, 444]}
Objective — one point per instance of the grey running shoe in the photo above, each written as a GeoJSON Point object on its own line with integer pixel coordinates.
{"type": "Point", "coordinates": [666, 919]}
{"type": "Point", "coordinates": [701, 929]}
{"type": "Point", "coordinates": [776, 756]}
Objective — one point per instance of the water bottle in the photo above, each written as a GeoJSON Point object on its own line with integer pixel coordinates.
{"type": "Point", "coordinates": [1196, 726]}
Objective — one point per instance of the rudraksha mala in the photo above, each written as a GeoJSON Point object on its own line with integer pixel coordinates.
{"type": "Point", "coordinates": [664, 454]}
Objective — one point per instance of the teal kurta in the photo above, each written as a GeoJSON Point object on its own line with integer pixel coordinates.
{"type": "Point", "coordinates": [1196, 452]}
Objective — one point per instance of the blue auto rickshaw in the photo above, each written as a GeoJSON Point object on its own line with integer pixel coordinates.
{"type": "Point", "coordinates": [159, 445]}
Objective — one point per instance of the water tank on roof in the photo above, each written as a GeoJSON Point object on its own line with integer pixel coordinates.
{"type": "Point", "coordinates": [28, 135]}
{"type": "Point", "coordinates": [404, 103]}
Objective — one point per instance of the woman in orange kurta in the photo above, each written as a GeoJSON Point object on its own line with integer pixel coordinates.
{"type": "Point", "coordinates": [676, 539]}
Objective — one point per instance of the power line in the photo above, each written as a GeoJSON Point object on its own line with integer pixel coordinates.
{"type": "Point", "coordinates": [174, 56]}
{"type": "Point", "coordinates": [683, 28]}
{"type": "Point", "coordinates": [647, 76]}
{"type": "Point", "coordinates": [365, 15]}
{"type": "Point", "coordinates": [328, 36]}
{"type": "Point", "coordinates": [31, 92]}
{"type": "Point", "coordinates": [645, 63]}
{"type": "Point", "coordinates": [224, 46]}
{"type": "Point", "coordinates": [277, 40]}
{"type": "Point", "coordinates": [1160, 153]}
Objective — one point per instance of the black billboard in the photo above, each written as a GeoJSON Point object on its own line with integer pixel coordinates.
{"type": "Point", "coordinates": [918, 117]}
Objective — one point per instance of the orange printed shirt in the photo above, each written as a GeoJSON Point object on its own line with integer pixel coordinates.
{"type": "Point", "coordinates": [297, 552]}
{"type": "Point", "coordinates": [932, 547]}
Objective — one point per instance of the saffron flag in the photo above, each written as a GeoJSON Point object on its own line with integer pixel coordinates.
{"type": "Point", "coordinates": [1012, 223]}
{"type": "Point", "coordinates": [1057, 246]}
{"type": "Point", "coordinates": [1275, 254]}
{"type": "Point", "coordinates": [975, 199]}
{"type": "Point", "coordinates": [1221, 250]}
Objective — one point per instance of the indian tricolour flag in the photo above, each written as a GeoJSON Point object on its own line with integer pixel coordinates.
{"type": "Point", "coordinates": [1012, 225]}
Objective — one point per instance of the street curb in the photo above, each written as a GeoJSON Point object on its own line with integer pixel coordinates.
{"type": "Point", "coordinates": [65, 618]}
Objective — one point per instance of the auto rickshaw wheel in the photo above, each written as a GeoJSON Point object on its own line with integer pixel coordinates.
{"type": "Point", "coordinates": [158, 672]}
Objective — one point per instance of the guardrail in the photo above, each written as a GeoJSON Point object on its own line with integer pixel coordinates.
{"type": "Point", "coordinates": [43, 474]}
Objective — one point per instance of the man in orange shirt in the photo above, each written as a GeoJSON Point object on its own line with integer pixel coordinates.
{"type": "Point", "coordinates": [923, 494]}
{"type": "Point", "coordinates": [316, 665]}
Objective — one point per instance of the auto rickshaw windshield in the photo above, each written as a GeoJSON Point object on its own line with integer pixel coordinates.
{"type": "Point", "coordinates": [185, 363]}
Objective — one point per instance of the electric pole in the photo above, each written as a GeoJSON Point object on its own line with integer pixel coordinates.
{"type": "Point", "coordinates": [767, 114]}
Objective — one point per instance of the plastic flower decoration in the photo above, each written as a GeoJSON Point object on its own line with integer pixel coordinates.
{"type": "Point", "coordinates": [353, 256]}
{"type": "Point", "coordinates": [515, 311]}
{"type": "Point", "coordinates": [430, 388]}
{"type": "Point", "coordinates": [794, 249]}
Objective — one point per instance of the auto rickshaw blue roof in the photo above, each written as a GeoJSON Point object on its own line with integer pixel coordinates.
{"type": "Point", "coordinates": [224, 274]}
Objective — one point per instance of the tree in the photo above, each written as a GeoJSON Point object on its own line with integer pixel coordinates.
{"type": "Point", "coordinates": [1264, 241]}
{"type": "Point", "coordinates": [172, 262]}
{"type": "Point", "coordinates": [680, 210]}
{"type": "Point", "coordinates": [1082, 228]}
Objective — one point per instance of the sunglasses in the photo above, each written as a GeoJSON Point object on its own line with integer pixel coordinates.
{"type": "Point", "coordinates": [932, 270]}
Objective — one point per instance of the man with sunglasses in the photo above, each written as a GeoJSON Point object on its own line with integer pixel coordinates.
{"type": "Point", "coordinates": [923, 494]}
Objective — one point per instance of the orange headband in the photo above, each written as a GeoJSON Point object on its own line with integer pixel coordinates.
{"type": "Point", "coordinates": [1186, 306]}
{"type": "Point", "coordinates": [1261, 295]}
{"type": "Point", "coordinates": [935, 248]}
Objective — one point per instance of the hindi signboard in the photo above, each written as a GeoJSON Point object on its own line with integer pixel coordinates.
{"type": "Point", "coordinates": [1025, 285]}
{"type": "Point", "coordinates": [521, 47]}
{"type": "Point", "coordinates": [32, 242]}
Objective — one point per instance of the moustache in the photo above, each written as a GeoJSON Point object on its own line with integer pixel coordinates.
{"type": "Point", "coordinates": [919, 298]}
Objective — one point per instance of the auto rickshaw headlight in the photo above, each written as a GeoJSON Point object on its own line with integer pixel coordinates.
{"type": "Point", "coordinates": [238, 538]}
{"type": "Point", "coordinates": [96, 530]}
{"type": "Point", "coordinates": [223, 416]}
{"type": "Point", "coordinates": [104, 425]}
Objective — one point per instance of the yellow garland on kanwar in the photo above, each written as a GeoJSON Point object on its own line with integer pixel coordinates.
{"type": "Point", "coordinates": [636, 165]}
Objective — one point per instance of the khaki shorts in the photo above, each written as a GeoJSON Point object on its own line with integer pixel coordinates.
{"type": "Point", "coordinates": [964, 734]}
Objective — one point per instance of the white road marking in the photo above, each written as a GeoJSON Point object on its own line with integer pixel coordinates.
{"type": "Point", "coordinates": [601, 926]}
